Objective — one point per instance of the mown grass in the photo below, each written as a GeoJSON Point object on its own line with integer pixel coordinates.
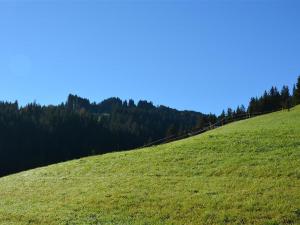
{"type": "Point", "coordinates": [247, 172]}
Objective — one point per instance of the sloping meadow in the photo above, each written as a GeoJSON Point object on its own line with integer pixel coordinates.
{"type": "Point", "coordinates": [246, 172]}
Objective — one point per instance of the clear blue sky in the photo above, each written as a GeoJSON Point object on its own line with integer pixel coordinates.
{"type": "Point", "coordinates": [198, 55]}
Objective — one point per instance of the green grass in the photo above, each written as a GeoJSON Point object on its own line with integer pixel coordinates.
{"type": "Point", "coordinates": [247, 172]}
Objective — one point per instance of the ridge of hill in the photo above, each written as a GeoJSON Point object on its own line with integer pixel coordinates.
{"type": "Point", "coordinates": [35, 135]}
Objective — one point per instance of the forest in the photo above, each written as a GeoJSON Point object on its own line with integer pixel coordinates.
{"type": "Point", "coordinates": [36, 135]}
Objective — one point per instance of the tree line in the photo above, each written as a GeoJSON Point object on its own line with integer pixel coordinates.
{"type": "Point", "coordinates": [269, 101]}
{"type": "Point", "coordinates": [36, 135]}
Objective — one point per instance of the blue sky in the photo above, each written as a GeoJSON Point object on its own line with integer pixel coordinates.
{"type": "Point", "coordinates": [198, 55]}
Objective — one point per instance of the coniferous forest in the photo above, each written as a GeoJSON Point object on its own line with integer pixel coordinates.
{"type": "Point", "coordinates": [36, 135]}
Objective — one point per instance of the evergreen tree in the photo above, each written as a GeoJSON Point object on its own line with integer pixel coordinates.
{"type": "Point", "coordinates": [296, 92]}
{"type": "Point", "coordinates": [275, 99]}
{"type": "Point", "coordinates": [240, 111]}
{"type": "Point", "coordinates": [294, 95]}
{"type": "Point", "coordinates": [285, 97]}
{"type": "Point", "coordinates": [253, 106]}
{"type": "Point", "coordinates": [222, 115]}
{"type": "Point", "coordinates": [222, 118]}
{"type": "Point", "coordinates": [131, 103]}
{"type": "Point", "coordinates": [243, 110]}
{"type": "Point", "coordinates": [229, 114]}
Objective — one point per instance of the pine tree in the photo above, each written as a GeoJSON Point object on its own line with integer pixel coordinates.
{"type": "Point", "coordinates": [229, 113]}
{"type": "Point", "coordinates": [285, 97]}
{"type": "Point", "coordinates": [275, 100]}
{"type": "Point", "coordinates": [243, 109]}
{"type": "Point", "coordinates": [222, 117]}
{"type": "Point", "coordinates": [253, 106]}
{"type": "Point", "coordinates": [296, 94]}
{"type": "Point", "coordinates": [131, 103]}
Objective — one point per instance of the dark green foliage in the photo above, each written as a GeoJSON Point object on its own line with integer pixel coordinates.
{"type": "Point", "coordinates": [285, 98]}
{"type": "Point", "coordinates": [37, 135]}
{"type": "Point", "coordinates": [296, 92]}
{"type": "Point", "coordinates": [274, 100]}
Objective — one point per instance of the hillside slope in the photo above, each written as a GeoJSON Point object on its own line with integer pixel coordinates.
{"type": "Point", "coordinates": [247, 172]}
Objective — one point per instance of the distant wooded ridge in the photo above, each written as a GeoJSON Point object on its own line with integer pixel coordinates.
{"type": "Point", "coordinates": [36, 135]}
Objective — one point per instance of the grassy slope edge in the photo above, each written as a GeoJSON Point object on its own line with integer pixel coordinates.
{"type": "Point", "coordinates": [243, 173]}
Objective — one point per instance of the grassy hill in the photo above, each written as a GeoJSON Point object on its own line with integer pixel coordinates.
{"type": "Point", "coordinates": [247, 172]}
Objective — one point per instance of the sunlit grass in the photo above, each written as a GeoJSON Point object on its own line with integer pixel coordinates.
{"type": "Point", "coordinates": [247, 172]}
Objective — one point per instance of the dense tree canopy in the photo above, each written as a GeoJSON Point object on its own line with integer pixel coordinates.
{"type": "Point", "coordinates": [273, 100]}
{"type": "Point", "coordinates": [37, 135]}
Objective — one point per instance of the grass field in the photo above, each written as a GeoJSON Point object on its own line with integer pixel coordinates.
{"type": "Point", "coordinates": [247, 172]}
